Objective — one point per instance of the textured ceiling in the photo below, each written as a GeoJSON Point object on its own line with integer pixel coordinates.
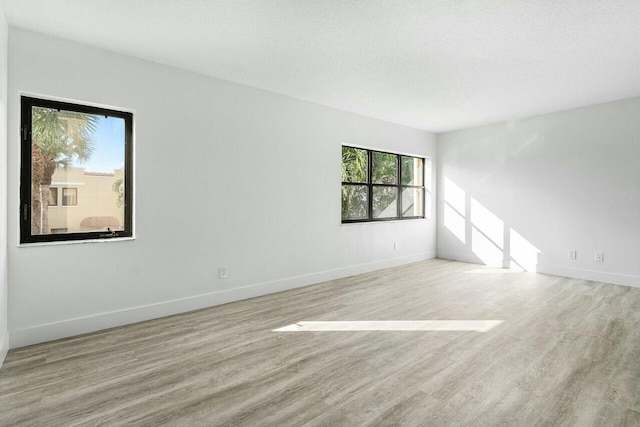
{"type": "Point", "coordinates": [433, 65]}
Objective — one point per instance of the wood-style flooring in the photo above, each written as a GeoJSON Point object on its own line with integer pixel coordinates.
{"type": "Point", "coordinates": [566, 353]}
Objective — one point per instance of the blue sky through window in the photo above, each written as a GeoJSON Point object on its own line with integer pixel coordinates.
{"type": "Point", "coordinates": [108, 141]}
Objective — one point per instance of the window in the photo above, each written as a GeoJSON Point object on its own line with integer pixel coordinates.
{"type": "Point", "coordinates": [53, 196]}
{"type": "Point", "coordinates": [379, 186]}
{"type": "Point", "coordinates": [69, 197]}
{"type": "Point", "coordinates": [75, 156]}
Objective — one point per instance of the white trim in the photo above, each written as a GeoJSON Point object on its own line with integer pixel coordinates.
{"type": "Point", "coordinates": [70, 327]}
{"type": "Point", "coordinates": [76, 242]}
{"type": "Point", "coordinates": [467, 257]}
{"type": "Point", "coordinates": [384, 221]}
{"type": "Point", "coordinates": [22, 93]}
{"type": "Point", "coordinates": [557, 270]}
{"type": "Point", "coordinates": [593, 275]}
{"type": "Point", "coordinates": [4, 348]}
{"type": "Point", "coordinates": [386, 150]}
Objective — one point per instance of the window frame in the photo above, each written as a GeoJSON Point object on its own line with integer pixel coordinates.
{"type": "Point", "coordinates": [26, 143]}
{"type": "Point", "coordinates": [398, 186]}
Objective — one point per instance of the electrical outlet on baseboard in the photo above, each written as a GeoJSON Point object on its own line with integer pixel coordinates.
{"type": "Point", "coordinates": [599, 256]}
{"type": "Point", "coordinates": [573, 254]}
{"type": "Point", "coordinates": [222, 272]}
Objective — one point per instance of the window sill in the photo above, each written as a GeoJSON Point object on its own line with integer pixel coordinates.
{"type": "Point", "coordinates": [386, 221]}
{"type": "Point", "coordinates": [75, 242]}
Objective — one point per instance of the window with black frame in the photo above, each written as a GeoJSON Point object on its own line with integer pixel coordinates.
{"type": "Point", "coordinates": [379, 186]}
{"type": "Point", "coordinates": [76, 172]}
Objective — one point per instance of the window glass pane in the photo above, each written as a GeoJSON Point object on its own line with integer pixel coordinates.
{"type": "Point", "coordinates": [354, 165]}
{"type": "Point", "coordinates": [384, 168]}
{"type": "Point", "coordinates": [385, 202]}
{"type": "Point", "coordinates": [53, 196]}
{"type": "Point", "coordinates": [412, 170]}
{"type": "Point", "coordinates": [355, 202]}
{"type": "Point", "coordinates": [82, 154]}
{"type": "Point", "coordinates": [69, 197]}
{"type": "Point", "coordinates": [412, 202]}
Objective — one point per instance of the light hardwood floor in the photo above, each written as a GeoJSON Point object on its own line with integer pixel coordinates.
{"type": "Point", "coordinates": [567, 353]}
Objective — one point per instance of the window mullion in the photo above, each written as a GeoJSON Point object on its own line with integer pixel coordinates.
{"type": "Point", "coordinates": [398, 186]}
{"type": "Point", "coordinates": [370, 184]}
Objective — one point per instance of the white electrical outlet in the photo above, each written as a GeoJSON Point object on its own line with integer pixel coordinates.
{"type": "Point", "coordinates": [599, 256]}
{"type": "Point", "coordinates": [395, 246]}
{"type": "Point", "coordinates": [573, 254]}
{"type": "Point", "coordinates": [222, 272]}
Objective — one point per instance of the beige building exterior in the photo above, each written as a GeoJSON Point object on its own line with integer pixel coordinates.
{"type": "Point", "coordinates": [84, 201]}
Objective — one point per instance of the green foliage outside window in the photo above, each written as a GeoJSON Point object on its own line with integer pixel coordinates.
{"type": "Point", "coordinates": [385, 168]}
{"type": "Point", "coordinates": [354, 197]}
{"type": "Point", "coordinates": [354, 165]}
{"type": "Point", "coordinates": [381, 184]}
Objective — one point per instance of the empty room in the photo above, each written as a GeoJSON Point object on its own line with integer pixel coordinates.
{"type": "Point", "coordinates": [320, 213]}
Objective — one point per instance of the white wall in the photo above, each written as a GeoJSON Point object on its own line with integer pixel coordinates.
{"type": "Point", "coordinates": [226, 175]}
{"type": "Point", "coordinates": [528, 191]}
{"type": "Point", "coordinates": [4, 337]}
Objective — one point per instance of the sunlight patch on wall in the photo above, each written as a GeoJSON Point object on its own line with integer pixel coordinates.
{"type": "Point", "coordinates": [485, 249]}
{"type": "Point", "coordinates": [488, 223]}
{"type": "Point", "coordinates": [454, 196]}
{"type": "Point", "coordinates": [487, 235]}
{"type": "Point", "coordinates": [391, 325]}
{"type": "Point", "coordinates": [490, 240]}
{"type": "Point", "coordinates": [524, 254]}
{"type": "Point", "coordinates": [454, 222]}
{"type": "Point", "coordinates": [428, 187]}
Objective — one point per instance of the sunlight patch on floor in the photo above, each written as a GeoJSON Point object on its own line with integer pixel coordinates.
{"type": "Point", "coordinates": [492, 270]}
{"type": "Point", "coordinates": [391, 325]}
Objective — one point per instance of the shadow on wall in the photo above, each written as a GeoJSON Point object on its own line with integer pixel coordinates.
{"type": "Point", "coordinates": [489, 238]}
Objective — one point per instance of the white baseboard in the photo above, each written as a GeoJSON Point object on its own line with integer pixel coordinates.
{"type": "Point", "coordinates": [4, 348]}
{"type": "Point", "coordinates": [70, 327]}
{"type": "Point", "coordinates": [594, 275]}
{"type": "Point", "coordinates": [460, 256]}
{"type": "Point", "coordinates": [557, 270]}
